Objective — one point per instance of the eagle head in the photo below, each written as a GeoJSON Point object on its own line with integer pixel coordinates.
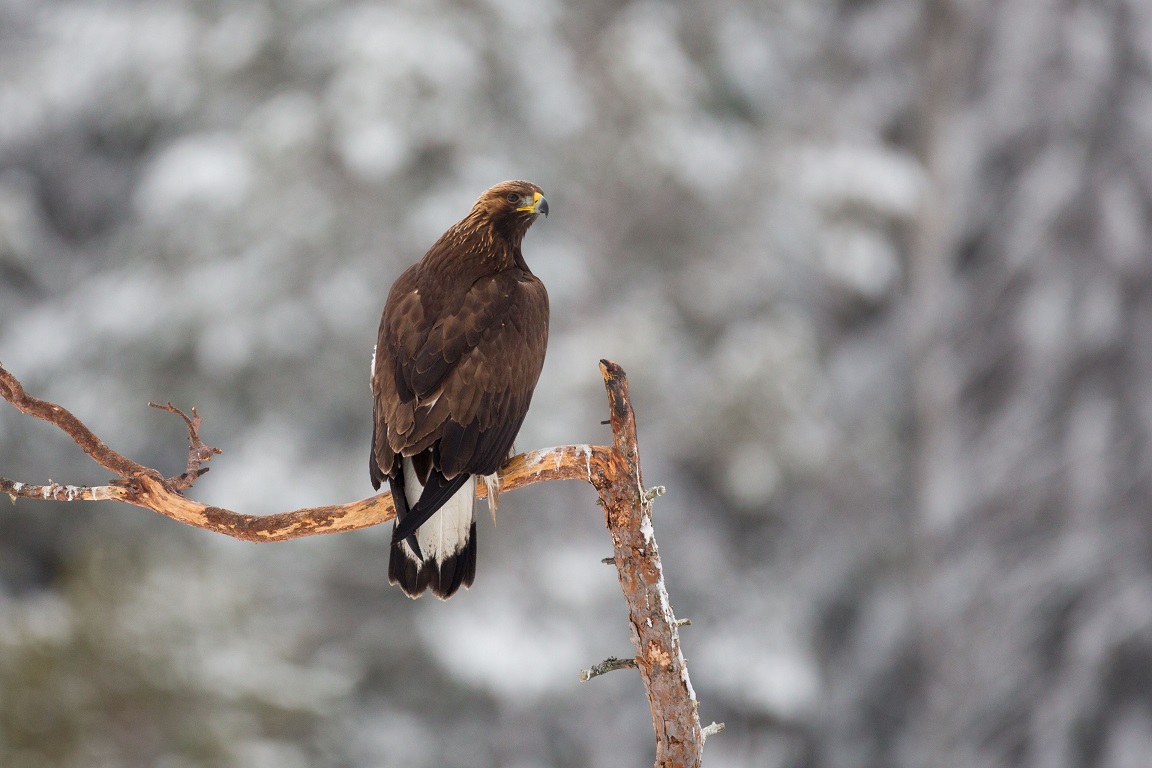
{"type": "Point", "coordinates": [510, 207]}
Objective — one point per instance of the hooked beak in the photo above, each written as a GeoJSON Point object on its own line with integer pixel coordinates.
{"type": "Point", "coordinates": [539, 205]}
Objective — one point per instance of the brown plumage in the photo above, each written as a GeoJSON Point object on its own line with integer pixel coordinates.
{"type": "Point", "coordinates": [460, 348]}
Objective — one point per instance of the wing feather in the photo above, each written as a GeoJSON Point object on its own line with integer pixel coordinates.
{"type": "Point", "coordinates": [465, 380]}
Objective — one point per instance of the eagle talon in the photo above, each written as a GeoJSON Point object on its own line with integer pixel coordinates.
{"type": "Point", "coordinates": [492, 483]}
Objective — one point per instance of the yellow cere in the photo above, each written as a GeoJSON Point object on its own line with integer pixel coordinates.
{"type": "Point", "coordinates": [535, 199]}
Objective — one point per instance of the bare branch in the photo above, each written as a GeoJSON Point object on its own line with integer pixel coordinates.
{"type": "Point", "coordinates": [610, 664]}
{"type": "Point", "coordinates": [58, 492]}
{"type": "Point", "coordinates": [12, 391]}
{"type": "Point", "coordinates": [569, 462]}
{"type": "Point", "coordinates": [613, 471]}
{"type": "Point", "coordinates": [655, 632]}
{"type": "Point", "coordinates": [147, 487]}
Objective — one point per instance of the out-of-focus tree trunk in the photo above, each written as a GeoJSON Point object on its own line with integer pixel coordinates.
{"type": "Point", "coordinates": [1030, 301]}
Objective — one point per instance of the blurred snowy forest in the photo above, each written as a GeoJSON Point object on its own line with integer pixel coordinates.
{"type": "Point", "coordinates": [880, 274]}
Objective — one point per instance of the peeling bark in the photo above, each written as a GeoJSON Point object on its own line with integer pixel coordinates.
{"type": "Point", "coordinates": [655, 632]}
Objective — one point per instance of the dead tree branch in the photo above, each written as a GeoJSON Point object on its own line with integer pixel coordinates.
{"type": "Point", "coordinates": [198, 452]}
{"type": "Point", "coordinates": [610, 664]}
{"type": "Point", "coordinates": [613, 470]}
{"type": "Point", "coordinates": [148, 488]}
{"type": "Point", "coordinates": [655, 633]}
{"type": "Point", "coordinates": [12, 391]}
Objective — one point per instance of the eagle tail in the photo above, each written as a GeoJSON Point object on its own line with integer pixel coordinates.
{"type": "Point", "coordinates": [437, 550]}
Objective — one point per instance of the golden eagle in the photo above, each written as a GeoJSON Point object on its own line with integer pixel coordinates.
{"type": "Point", "coordinates": [460, 349]}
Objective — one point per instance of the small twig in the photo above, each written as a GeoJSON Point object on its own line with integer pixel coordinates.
{"type": "Point", "coordinates": [608, 560]}
{"type": "Point", "coordinates": [198, 452]}
{"type": "Point", "coordinates": [653, 493]}
{"type": "Point", "coordinates": [683, 622]}
{"type": "Point", "coordinates": [711, 729]}
{"type": "Point", "coordinates": [609, 664]}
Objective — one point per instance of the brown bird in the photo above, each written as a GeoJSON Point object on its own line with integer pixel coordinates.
{"type": "Point", "coordinates": [460, 349]}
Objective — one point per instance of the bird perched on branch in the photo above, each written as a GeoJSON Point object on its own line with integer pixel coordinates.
{"type": "Point", "coordinates": [460, 349]}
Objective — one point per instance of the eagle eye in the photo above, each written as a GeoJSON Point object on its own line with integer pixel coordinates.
{"type": "Point", "coordinates": [513, 197]}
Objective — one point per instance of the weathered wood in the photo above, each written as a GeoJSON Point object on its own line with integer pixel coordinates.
{"type": "Point", "coordinates": [628, 512]}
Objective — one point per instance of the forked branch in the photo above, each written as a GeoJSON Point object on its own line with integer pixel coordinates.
{"type": "Point", "coordinates": [198, 452]}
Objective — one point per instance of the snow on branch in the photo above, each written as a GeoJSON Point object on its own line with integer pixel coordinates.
{"type": "Point", "coordinates": [614, 471]}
